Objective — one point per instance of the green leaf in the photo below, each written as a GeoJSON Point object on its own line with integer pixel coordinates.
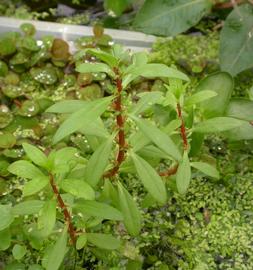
{"type": "Point", "coordinates": [138, 140]}
{"type": "Point", "coordinates": [151, 71]}
{"type": "Point", "coordinates": [199, 97]}
{"type": "Point", "coordinates": [183, 176]}
{"type": "Point", "coordinates": [104, 241]}
{"type": "Point", "coordinates": [130, 211]}
{"type": "Point", "coordinates": [206, 169]}
{"type": "Point", "coordinates": [103, 56]}
{"type": "Point", "coordinates": [6, 216]}
{"type": "Point", "coordinates": [221, 83]}
{"type": "Point", "coordinates": [217, 124]}
{"type": "Point", "coordinates": [96, 128]}
{"type": "Point", "coordinates": [243, 132]}
{"type": "Point", "coordinates": [94, 67]}
{"type": "Point", "coordinates": [18, 251]}
{"type": "Point", "coordinates": [169, 18]}
{"type": "Point", "coordinates": [82, 118]}
{"type": "Point", "coordinates": [35, 185]}
{"type": "Point", "coordinates": [57, 255]}
{"type": "Point", "coordinates": [35, 154]}
{"type": "Point", "coordinates": [67, 106]}
{"type": "Point", "coordinates": [236, 56]}
{"type": "Point", "coordinates": [79, 188]}
{"type": "Point", "coordinates": [27, 208]}
{"type": "Point", "coordinates": [115, 8]}
{"type": "Point", "coordinates": [150, 179]}
{"type": "Point", "coordinates": [97, 209]}
{"type": "Point", "coordinates": [47, 217]}
{"type": "Point", "coordinates": [5, 237]}
{"type": "Point", "coordinates": [98, 162]}
{"type": "Point", "coordinates": [25, 169]}
{"type": "Point", "coordinates": [240, 108]}
{"type": "Point", "coordinates": [65, 156]}
{"type": "Point", "coordinates": [162, 140]}
{"type": "Point", "coordinates": [81, 241]}
{"type": "Point", "coordinates": [110, 193]}
{"type": "Point", "coordinates": [147, 99]}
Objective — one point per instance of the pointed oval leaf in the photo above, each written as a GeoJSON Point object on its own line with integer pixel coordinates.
{"type": "Point", "coordinates": [6, 216]}
{"type": "Point", "coordinates": [47, 217]}
{"type": "Point", "coordinates": [67, 106]}
{"type": "Point", "coordinates": [98, 209]}
{"type": "Point", "coordinates": [25, 169]}
{"type": "Point", "coordinates": [199, 97]}
{"type": "Point", "coordinates": [222, 83]}
{"type": "Point", "coordinates": [218, 124]}
{"type": "Point", "coordinates": [35, 185]}
{"type": "Point", "coordinates": [94, 67]}
{"type": "Point", "coordinates": [81, 241]}
{"type": "Point", "coordinates": [240, 108]}
{"type": "Point", "coordinates": [104, 241]}
{"type": "Point", "coordinates": [103, 56]}
{"type": "Point", "coordinates": [183, 176]}
{"type": "Point", "coordinates": [78, 188]}
{"type": "Point", "coordinates": [130, 211]}
{"type": "Point", "coordinates": [82, 118]}
{"type": "Point", "coordinates": [57, 255]}
{"type": "Point", "coordinates": [98, 162]}
{"type": "Point", "coordinates": [27, 208]}
{"type": "Point", "coordinates": [151, 71]}
{"type": "Point", "coordinates": [169, 18]}
{"type": "Point", "coordinates": [162, 140]}
{"type": "Point", "coordinates": [206, 169]}
{"type": "Point", "coordinates": [35, 154]}
{"type": "Point", "coordinates": [150, 179]}
{"type": "Point", "coordinates": [236, 56]}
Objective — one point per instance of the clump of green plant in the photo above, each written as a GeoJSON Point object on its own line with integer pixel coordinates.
{"type": "Point", "coordinates": [69, 197]}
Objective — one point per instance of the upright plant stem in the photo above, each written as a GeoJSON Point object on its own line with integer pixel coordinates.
{"type": "Point", "coordinates": [120, 126]}
{"type": "Point", "coordinates": [67, 216]}
{"type": "Point", "coordinates": [182, 128]}
{"type": "Point", "coordinates": [173, 170]}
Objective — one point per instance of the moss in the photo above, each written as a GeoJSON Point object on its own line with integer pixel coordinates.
{"type": "Point", "coordinates": [194, 53]}
{"type": "Point", "coordinates": [211, 227]}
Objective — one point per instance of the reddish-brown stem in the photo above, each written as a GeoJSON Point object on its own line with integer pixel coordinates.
{"type": "Point", "coordinates": [229, 4]}
{"type": "Point", "coordinates": [17, 103]}
{"type": "Point", "coordinates": [121, 133]}
{"type": "Point", "coordinates": [170, 171]}
{"type": "Point", "coordinates": [67, 216]}
{"type": "Point", "coordinates": [182, 128]}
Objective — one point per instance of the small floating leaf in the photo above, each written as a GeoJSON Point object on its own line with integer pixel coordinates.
{"type": "Point", "coordinates": [45, 75]}
{"type": "Point", "coordinates": [7, 140]}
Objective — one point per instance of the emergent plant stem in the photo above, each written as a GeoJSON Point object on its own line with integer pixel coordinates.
{"type": "Point", "coordinates": [120, 126]}
{"type": "Point", "coordinates": [182, 128]}
{"type": "Point", "coordinates": [67, 216]}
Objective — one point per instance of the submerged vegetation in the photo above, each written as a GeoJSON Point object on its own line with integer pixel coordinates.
{"type": "Point", "coordinates": [111, 159]}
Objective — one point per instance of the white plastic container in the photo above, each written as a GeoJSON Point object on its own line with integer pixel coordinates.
{"type": "Point", "coordinates": [133, 40]}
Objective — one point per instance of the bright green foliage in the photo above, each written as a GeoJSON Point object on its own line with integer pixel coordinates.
{"type": "Point", "coordinates": [57, 254]}
{"type": "Point", "coordinates": [114, 154]}
{"type": "Point", "coordinates": [130, 211]}
{"type": "Point", "coordinates": [105, 241]}
{"type": "Point", "coordinates": [97, 209]}
{"type": "Point", "coordinates": [150, 179]}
